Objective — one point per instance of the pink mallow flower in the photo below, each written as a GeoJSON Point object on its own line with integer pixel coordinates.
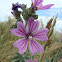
{"type": "Point", "coordinates": [33, 32]}
{"type": "Point", "coordinates": [38, 4]}
{"type": "Point", "coordinates": [36, 60]}
{"type": "Point", "coordinates": [61, 33]}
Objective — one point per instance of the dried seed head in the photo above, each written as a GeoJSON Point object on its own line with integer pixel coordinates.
{"type": "Point", "coordinates": [55, 21]}
{"type": "Point", "coordinates": [51, 32]}
{"type": "Point", "coordinates": [48, 43]}
{"type": "Point", "coordinates": [49, 23]}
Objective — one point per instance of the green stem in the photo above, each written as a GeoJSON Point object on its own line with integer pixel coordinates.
{"type": "Point", "coordinates": [25, 23]}
{"type": "Point", "coordinates": [20, 19]}
{"type": "Point", "coordinates": [43, 54]}
{"type": "Point", "coordinates": [41, 57]}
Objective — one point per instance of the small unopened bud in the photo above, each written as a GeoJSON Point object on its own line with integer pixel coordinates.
{"type": "Point", "coordinates": [12, 12]}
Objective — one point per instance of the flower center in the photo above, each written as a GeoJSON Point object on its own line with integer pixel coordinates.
{"type": "Point", "coordinates": [30, 37]}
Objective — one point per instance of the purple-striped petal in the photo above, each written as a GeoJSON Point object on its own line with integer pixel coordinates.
{"type": "Point", "coordinates": [32, 25]}
{"type": "Point", "coordinates": [61, 33]}
{"type": "Point", "coordinates": [40, 7]}
{"type": "Point", "coordinates": [36, 60]}
{"type": "Point", "coordinates": [37, 2]}
{"type": "Point", "coordinates": [60, 58]}
{"type": "Point", "coordinates": [29, 60]}
{"type": "Point", "coordinates": [41, 35]}
{"type": "Point", "coordinates": [21, 44]}
{"type": "Point", "coordinates": [34, 47]}
{"type": "Point", "coordinates": [17, 32]}
{"type": "Point", "coordinates": [20, 30]}
{"type": "Point", "coordinates": [21, 27]}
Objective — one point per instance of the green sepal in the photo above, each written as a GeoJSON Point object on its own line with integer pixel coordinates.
{"type": "Point", "coordinates": [13, 26]}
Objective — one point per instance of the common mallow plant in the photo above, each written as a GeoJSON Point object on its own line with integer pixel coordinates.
{"type": "Point", "coordinates": [29, 32]}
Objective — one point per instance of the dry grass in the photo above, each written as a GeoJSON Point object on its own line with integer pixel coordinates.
{"type": "Point", "coordinates": [52, 50]}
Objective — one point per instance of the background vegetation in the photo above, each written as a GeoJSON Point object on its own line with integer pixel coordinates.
{"type": "Point", "coordinates": [7, 50]}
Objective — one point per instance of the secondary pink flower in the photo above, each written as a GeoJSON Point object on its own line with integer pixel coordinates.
{"type": "Point", "coordinates": [60, 58]}
{"type": "Point", "coordinates": [38, 4]}
{"type": "Point", "coordinates": [34, 32]}
{"type": "Point", "coordinates": [36, 60]}
{"type": "Point", "coordinates": [61, 33]}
